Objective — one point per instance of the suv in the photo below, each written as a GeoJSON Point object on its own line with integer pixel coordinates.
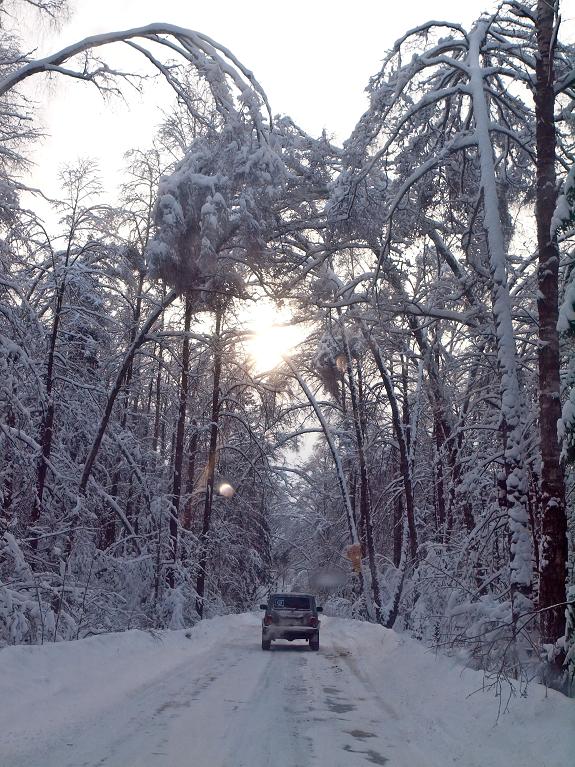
{"type": "Point", "coordinates": [290, 616]}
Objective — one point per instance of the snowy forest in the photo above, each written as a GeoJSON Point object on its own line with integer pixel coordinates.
{"type": "Point", "coordinates": [151, 474]}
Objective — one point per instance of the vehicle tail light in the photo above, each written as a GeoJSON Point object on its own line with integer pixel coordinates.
{"type": "Point", "coordinates": [268, 620]}
{"type": "Point", "coordinates": [312, 621]}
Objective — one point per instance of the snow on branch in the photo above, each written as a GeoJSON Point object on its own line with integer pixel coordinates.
{"type": "Point", "coordinates": [215, 63]}
{"type": "Point", "coordinates": [215, 212]}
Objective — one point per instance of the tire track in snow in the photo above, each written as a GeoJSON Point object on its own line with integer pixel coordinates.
{"type": "Point", "coordinates": [134, 730]}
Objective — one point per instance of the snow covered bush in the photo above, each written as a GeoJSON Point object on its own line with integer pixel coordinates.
{"type": "Point", "coordinates": [28, 603]}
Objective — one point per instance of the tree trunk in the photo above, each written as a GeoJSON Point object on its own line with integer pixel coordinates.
{"type": "Point", "coordinates": [341, 479]}
{"type": "Point", "coordinates": [440, 515]}
{"type": "Point", "coordinates": [212, 453]}
{"type": "Point", "coordinates": [437, 399]}
{"type": "Point", "coordinates": [47, 424]}
{"type": "Point", "coordinates": [364, 497]}
{"type": "Point", "coordinates": [192, 452]}
{"type": "Point", "coordinates": [521, 555]}
{"type": "Point", "coordinates": [398, 517]}
{"type": "Point", "coordinates": [552, 589]}
{"type": "Point", "coordinates": [156, 387]}
{"type": "Point", "coordinates": [402, 441]}
{"type": "Point", "coordinates": [140, 339]}
{"type": "Point", "coordinates": [157, 403]}
{"type": "Point", "coordinates": [109, 532]}
{"type": "Point", "coordinates": [179, 445]}
{"type": "Point", "coordinates": [8, 489]}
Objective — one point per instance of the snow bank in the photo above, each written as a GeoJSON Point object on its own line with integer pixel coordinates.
{"type": "Point", "coordinates": [51, 685]}
{"type": "Point", "coordinates": [456, 710]}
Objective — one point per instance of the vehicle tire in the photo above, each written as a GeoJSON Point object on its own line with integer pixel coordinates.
{"type": "Point", "coordinates": [314, 642]}
{"type": "Point", "coordinates": [266, 643]}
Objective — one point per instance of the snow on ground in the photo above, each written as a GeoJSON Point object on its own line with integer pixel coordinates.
{"type": "Point", "coordinates": [210, 697]}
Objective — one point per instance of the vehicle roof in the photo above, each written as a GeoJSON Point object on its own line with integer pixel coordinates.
{"type": "Point", "coordinates": [291, 594]}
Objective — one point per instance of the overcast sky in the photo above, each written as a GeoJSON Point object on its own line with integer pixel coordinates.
{"type": "Point", "coordinates": [313, 58]}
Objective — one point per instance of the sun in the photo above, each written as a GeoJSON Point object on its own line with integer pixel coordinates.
{"type": "Point", "coordinates": [272, 337]}
{"type": "Point", "coordinates": [268, 347]}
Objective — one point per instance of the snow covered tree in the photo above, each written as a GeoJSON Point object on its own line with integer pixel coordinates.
{"type": "Point", "coordinates": [554, 523]}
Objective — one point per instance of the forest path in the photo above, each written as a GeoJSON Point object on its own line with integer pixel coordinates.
{"type": "Point", "coordinates": [223, 702]}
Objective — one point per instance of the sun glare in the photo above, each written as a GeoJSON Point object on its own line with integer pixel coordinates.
{"type": "Point", "coordinates": [273, 337]}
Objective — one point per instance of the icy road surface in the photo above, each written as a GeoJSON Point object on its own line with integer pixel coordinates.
{"type": "Point", "coordinates": [210, 697]}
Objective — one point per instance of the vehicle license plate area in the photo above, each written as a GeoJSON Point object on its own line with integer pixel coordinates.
{"type": "Point", "coordinates": [291, 621]}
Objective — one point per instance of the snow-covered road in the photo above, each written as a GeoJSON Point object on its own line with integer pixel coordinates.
{"type": "Point", "coordinates": [212, 698]}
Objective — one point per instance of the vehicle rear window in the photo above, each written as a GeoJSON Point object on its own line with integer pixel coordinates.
{"type": "Point", "coordinates": [291, 603]}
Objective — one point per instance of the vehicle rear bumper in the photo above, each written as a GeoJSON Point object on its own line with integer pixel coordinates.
{"type": "Point", "coordinates": [289, 632]}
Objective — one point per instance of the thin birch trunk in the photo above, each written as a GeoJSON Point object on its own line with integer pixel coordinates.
{"type": "Point", "coordinates": [340, 474]}
{"type": "Point", "coordinates": [521, 555]}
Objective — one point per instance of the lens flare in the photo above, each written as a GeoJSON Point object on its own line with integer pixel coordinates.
{"type": "Point", "coordinates": [226, 490]}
